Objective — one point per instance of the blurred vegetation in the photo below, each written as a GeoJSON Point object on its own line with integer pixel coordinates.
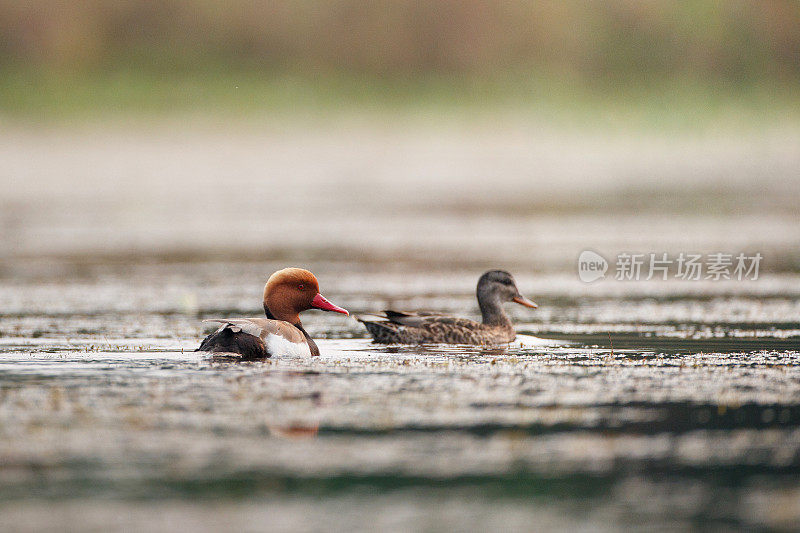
{"type": "Point", "coordinates": [100, 56]}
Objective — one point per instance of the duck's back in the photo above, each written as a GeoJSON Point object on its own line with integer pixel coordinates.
{"type": "Point", "coordinates": [226, 340]}
{"type": "Point", "coordinates": [396, 327]}
{"type": "Point", "coordinates": [256, 338]}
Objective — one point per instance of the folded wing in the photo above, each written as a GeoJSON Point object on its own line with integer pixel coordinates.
{"type": "Point", "coordinates": [253, 338]}
{"type": "Point", "coordinates": [400, 327]}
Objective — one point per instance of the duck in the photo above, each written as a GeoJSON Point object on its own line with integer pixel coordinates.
{"type": "Point", "coordinates": [287, 293]}
{"type": "Point", "coordinates": [495, 288]}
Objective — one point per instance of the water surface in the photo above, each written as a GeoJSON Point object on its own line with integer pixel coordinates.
{"type": "Point", "coordinates": [670, 404]}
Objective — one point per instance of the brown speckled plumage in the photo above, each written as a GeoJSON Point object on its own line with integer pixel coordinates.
{"type": "Point", "coordinates": [494, 288]}
{"type": "Point", "coordinates": [437, 329]}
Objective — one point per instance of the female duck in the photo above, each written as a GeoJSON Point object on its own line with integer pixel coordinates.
{"type": "Point", "coordinates": [287, 293]}
{"type": "Point", "coordinates": [494, 289]}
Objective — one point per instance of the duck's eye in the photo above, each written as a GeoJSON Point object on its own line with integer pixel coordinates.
{"type": "Point", "coordinates": [301, 287]}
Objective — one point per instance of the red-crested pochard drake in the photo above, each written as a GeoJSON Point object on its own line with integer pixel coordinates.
{"type": "Point", "coordinates": [287, 293]}
{"type": "Point", "coordinates": [494, 289]}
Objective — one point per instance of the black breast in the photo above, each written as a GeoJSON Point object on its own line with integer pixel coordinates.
{"type": "Point", "coordinates": [225, 340]}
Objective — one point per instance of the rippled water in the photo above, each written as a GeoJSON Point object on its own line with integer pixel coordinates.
{"type": "Point", "coordinates": [665, 405]}
{"type": "Point", "coordinates": [621, 405]}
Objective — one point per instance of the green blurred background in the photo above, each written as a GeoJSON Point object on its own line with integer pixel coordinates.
{"type": "Point", "coordinates": [641, 60]}
{"type": "Point", "coordinates": [156, 126]}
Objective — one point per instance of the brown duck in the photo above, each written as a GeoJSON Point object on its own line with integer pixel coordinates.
{"type": "Point", "coordinates": [287, 293]}
{"type": "Point", "coordinates": [495, 288]}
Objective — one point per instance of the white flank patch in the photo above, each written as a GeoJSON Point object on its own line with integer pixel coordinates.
{"type": "Point", "coordinates": [525, 341]}
{"type": "Point", "coordinates": [278, 346]}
